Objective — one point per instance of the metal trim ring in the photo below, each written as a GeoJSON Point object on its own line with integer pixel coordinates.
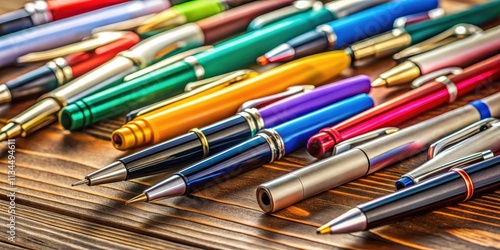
{"type": "Point", "coordinates": [198, 69]}
{"type": "Point", "coordinates": [203, 140]}
{"type": "Point", "coordinates": [257, 119]}
{"type": "Point", "coordinates": [452, 88]}
{"type": "Point", "coordinates": [250, 120]}
{"type": "Point", "coordinates": [468, 182]}
{"type": "Point", "coordinates": [330, 34]}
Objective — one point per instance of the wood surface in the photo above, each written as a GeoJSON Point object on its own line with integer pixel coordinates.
{"type": "Point", "coordinates": [53, 215]}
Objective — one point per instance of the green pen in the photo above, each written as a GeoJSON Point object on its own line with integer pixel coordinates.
{"type": "Point", "coordinates": [231, 55]}
{"type": "Point", "coordinates": [403, 37]}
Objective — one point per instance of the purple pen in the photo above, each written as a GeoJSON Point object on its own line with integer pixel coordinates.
{"type": "Point", "coordinates": [200, 143]}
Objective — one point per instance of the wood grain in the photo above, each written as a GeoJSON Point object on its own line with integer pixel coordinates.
{"type": "Point", "coordinates": [52, 214]}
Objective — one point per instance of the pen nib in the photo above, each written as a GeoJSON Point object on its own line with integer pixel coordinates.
{"type": "Point", "coordinates": [379, 82]}
{"type": "Point", "coordinates": [262, 60]}
{"type": "Point", "coordinates": [141, 197]}
{"type": "Point", "coordinates": [325, 229]}
{"type": "Point", "coordinates": [3, 137]}
{"type": "Point", "coordinates": [78, 183]}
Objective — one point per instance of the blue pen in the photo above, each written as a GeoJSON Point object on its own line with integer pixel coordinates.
{"type": "Point", "coordinates": [341, 33]}
{"type": "Point", "coordinates": [73, 29]}
{"type": "Point", "coordinates": [267, 146]}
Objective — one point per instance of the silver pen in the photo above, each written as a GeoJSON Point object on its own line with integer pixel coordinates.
{"type": "Point", "coordinates": [484, 138]}
{"type": "Point", "coordinates": [370, 157]}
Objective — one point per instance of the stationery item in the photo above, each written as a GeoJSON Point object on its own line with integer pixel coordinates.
{"type": "Point", "coordinates": [404, 107]}
{"type": "Point", "coordinates": [298, 7]}
{"type": "Point", "coordinates": [460, 54]}
{"type": "Point", "coordinates": [171, 121]}
{"type": "Point", "coordinates": [40, 12]}
{"type": "Point", "coordinates": [145, 86]}
{"type": "Point", "coordinates": [187, 12]}
{"type": "Point", "coordinates": [370, 157]}
{"type": "Point", "coordinates": [71, 30]}
{"type": "Point", "coordinates": [267, 146]}
{"type": "Point", "coordinates": [219, 136]}
{"type": "Point", "coordinates": [402, 37]}
{"type": "Point", "coordinates": [79, 59]}
{"type": "Point", "coordinates": [486, 134]}
{"type": "Point", "coordinates": [341, 33]}
{"type": "Point", "coordinates": [457, 185]}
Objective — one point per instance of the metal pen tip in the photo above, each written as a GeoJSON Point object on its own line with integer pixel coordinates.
{"type": "Point", "coordinates": [282, 53]}
{"type": "Point", "coordinates": [78, 183]}
{"type": "Point", "coordinates": [3, 137]}
{"type": "Point", "coordinates": [379, 82]}
{"type": "Point", "coordinates": [263, 60]}
{"type": "Point", "coordinates": [141, 197]}
{"type": "Point", "coordinates": [325, 229]}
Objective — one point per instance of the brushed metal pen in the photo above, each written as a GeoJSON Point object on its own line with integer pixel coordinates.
{"type": "Point", "coordinates": [370, 157]}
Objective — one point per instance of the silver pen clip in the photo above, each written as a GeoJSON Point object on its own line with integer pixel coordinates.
{"type": "Point", "coordinates": [432, 76]}
{"type": "Point", "coordinates": [348, 144]}
{"type": "Point", "coordinates": [453, 34]}
{"type": "Point", "coordinates": [456, 138]}
{"type": "Point", "coordinates": [297, 7]}
{"type": "Point", "coordinates": [166, 62]}
{"type": "Point", "coordinates": [405, 21]}
{"type": "Point", "coordinates": [266, 100]}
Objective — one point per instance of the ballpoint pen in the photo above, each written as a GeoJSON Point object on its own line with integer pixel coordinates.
{"type": "Point", "coordinates": [298, 6]}
{"type": "Point", "coordinates": [266, 146]}
{"type": "Point", "coordinates": [370, 157]}
{"type": "Point", "coordinates": [486, 134]}
{"type": "Point", "coordinates": [71, 30]}
{"type": "Point", "coordinates": [40, 12]}
{"type": "Point", "coordinates": [460, 54]}
{"type": "Point", "coordinates": [219, 136]}
{"type": "Point", "coordinates": [140, 88]}
{"type": "Point", "coordinates": [402, 37]}
{"type": "Point", "coordinates": [340, 33]}
{"type": "Point", "coordinates": [402, 108]}
{"type": "Point", "coordinates": [171, 121]}
{"type": "Point", "coordinates": [457, 185]}
{"type": "Point", "coordinates": [79, 58]}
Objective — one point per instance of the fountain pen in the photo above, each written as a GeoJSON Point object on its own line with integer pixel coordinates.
{"type": "Point", "coordinates": [267, 146]}
{"type": "Point", "coordinates": [457, 185]}
{"type": "Point", "coordinates": [200, 143]}
{"type": "Point", "coordinates": [370, 157]}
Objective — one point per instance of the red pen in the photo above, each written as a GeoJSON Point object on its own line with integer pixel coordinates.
{"type": "Point", "coordinates": [392, 113]}
{"type": "Point", "coordinates": [39, 12]}
{"type": "Point", "coordinates": [82, 58]}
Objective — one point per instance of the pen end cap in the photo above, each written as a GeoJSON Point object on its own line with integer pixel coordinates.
{"type": "Point", "coordinates": [320, 145]}
{"type": "Point", "coordinates": [404, 182]}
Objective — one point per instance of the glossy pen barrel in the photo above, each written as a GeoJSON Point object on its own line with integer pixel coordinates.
{"type": "Point", "coordinates": [60, 9]}
{"type": "Point", "coordinates": [30, 85]}
{"type": "Point", "coordinates": [72, 29]}
{"type": "Point", "coordinates": [15, 21]}
{"type": "Point", "coordinates": [405, 106]}
{"type": "Point", "coordinates": [369, 157]}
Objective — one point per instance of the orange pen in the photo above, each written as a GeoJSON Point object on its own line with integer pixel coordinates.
{"type": "Point", "coordinates": [201, 110]}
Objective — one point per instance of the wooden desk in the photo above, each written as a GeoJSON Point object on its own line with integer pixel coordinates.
{"type": "Point", "coordinates": [52, 214]}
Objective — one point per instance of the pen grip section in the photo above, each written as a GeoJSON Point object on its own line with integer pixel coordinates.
{"type": "Point", "coordinates": [227, 133]}
{"type": "Point", "coordinates": [15, 21]}
{"type": "Point", "coordinates": [32, 84]}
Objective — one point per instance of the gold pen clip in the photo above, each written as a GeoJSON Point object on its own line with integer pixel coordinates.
{"type": "Point", "coordinates": [348, 144]}
{"type": "Point", "coordinates": [92, 43]}
{"type": "Point", "coordinates": [453, 34]}
{"type": "Point", "coordinates": [435, 75]}
{"type": "Point", "coordinates": [266, 100]}
{"type": "Point", "coordinates": [127, 25]}
{"type": "Point", "coordinates": [456, 138]}
{"type": "Point", "coordinates": [198, 87]}
{"type": "Point", "coordinates": [405, 21]}
{"type": "Point", "coordinates": [164, 20]}
{"type": "Point", "coordinates": [297, 7]}
{"type": "Point", "coordinates": [168, 61]}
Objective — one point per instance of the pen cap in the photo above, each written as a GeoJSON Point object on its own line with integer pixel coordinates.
{"type": "Point", "coordinates": [68, 8]}
{"type": "Point", "coordinates": [300, 104]}
{"type": "Point", "coordinates": [296, 132]}
{"type": "Point", "coordinates": [197, 10]}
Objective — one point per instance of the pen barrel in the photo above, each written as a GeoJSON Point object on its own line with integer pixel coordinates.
{"type": "Point", "coordinates": [197, 10]}
{"type": "Point", "coordinates": [476, 75]}
{"type": "Point", "coordinates": [438, 192]}
{"type": "Point", "coordinates": [15, 21]}
{"type": "Point", "coordinates": [68, 8]}
{"type": "Point", "coordinates": [32, 84]}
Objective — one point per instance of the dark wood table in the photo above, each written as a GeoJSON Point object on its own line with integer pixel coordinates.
{"type": "Point", "coordinates": [52, 214]}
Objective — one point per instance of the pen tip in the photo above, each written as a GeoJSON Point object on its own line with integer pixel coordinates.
{"type": "Point", "coordinates": [379, 82]}
{"type": "Point", "coordinates": [141, 197]}
{"type": "Point", "coordinates": [3, 137]}
{"type": "Point", "coordinates": [325, 229]}
{"type": "Point", "coordinates": [78, 183]}
{"type": "Point", "coordinates": [263, 60]}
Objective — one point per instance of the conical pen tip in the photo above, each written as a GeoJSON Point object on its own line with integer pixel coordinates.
{"type": "Point", "coordinates": [325, 229]}
{"type": "Point", "coordinates": [78, 183]}
{"type": "Point", "coordinates": [379, 82]}
{"type": "Point", "coordinates": [263, 60]}
{"type": "Point", "coordinates": [3, 137]}
{"type": "Point", "coordinates": [141, 197]}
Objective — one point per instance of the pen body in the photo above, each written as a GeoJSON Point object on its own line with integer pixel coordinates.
{"type": "Point", "coordinates": [60, 9]}
{"type": "Point", "coordinates": [32, 84]}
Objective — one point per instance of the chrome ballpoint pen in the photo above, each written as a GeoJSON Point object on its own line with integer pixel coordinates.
{"type": "Point", "coordinates": [371, 156]}
{"type": "Point", "coordinates": [485, 136]}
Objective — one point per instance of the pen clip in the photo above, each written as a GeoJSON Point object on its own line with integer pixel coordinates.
{"type": "Point", "coordinates": [405, 21]}
{"type": "Point", "coordinates": [434, 75]}
{"type": "Point", "coordinates": [97, 40]}
{"type": "Point", "coordinates": [127, 25]}
{"type": "Point", "coordinates": [161, 21]}
{"type": "Point", "coordinates": [453, 34]}
{"type": "Point", "coordinates": [297, 7]}
{"type": "Point", "coordinates": [266, 100]}
{"type": "Point", "coordinates": [348, 144]}
{"type": "Point", "coordinates": [456, 138]}
{"type": "Point", "coordinates": [166, 62]}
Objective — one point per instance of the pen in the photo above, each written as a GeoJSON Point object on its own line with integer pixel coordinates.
{"type": "Point", "coordinates": [340, 33]}
{"type": "Point", "coordinates": [298, 6]}
{"type": "Point", "coordinates": [219, 136]}
{"type": "Point", "coordinates": [171, 121]}
{"type": "Point", "coordinates": [369, 157]}
{"type": "Point", "coordinates": [71, 30]}
{"type": "Point", "coordinates": [40, 12]}
{"type": "Point", "coordinates": [145, 87]}
{"type": "Point", "coordinates": [81, 58]}
{"type": "Point", "coordinates": [457, 185]}
{"type": "Point", "coordinates": [486, 138]}
{"type": "Point", "coordinates": [442, 90]}
{"type": "Point", "coordinates": [267, 146]}
{"type": "Point", "coordinates": [402, 37]}
{"type": "Point", "coordinates": [460, 53]}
